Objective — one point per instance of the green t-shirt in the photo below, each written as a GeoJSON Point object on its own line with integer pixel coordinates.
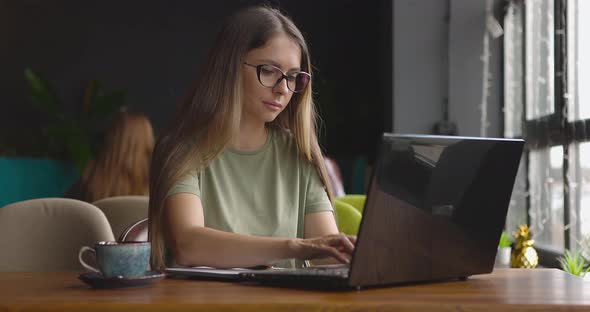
{"type": "Point", "coordinates": [266, 192]}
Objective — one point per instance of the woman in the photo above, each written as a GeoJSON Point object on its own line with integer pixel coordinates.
{"type": "Point", "coordinates": [238, 180]}
{"type": "Point", "coordinates": [123, 162]}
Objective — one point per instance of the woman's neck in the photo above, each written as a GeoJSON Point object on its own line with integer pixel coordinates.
{"type": "Point", "coordinates": [252, 136]}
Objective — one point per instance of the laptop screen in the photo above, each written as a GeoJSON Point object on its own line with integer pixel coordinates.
{"type": "Point", "coordinates": [435, 208]}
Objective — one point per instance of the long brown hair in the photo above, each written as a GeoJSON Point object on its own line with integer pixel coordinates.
{"type": "Point", "coordinates": [122, 164]}
{"type": "Point", "coordinates": [206, 122]}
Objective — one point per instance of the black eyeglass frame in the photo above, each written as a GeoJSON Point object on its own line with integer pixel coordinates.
{"type": "Point", "coordinates": [284, 76]}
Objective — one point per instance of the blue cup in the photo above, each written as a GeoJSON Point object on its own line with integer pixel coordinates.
{"type": "Point", "coordinates": [118, 260]}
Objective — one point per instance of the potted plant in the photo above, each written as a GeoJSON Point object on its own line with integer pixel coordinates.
{"type": "Point", "coordinates": [574, 263]}
{"type": "Point", "coordinates": [44, 161]}
{"type": "Point", "coordinates": [73, 135]}
{"type": "Point", "coordinates": [504, 249]}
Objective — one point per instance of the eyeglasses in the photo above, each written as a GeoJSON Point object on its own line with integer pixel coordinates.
{"type": "Point", "coordinates": [269, 76]}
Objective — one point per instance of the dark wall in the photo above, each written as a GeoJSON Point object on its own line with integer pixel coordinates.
{"type": "Point", "coordinates": [148, 48]}
{"type": "Point", "coordinates": [352, 47]}
{"type": "Point", "coordinates": [152, 49]}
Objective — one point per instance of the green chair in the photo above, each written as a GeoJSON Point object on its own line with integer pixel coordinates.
{"type": "Point", "coordinates": [348, 218]}
{"type": "Point", "coordinates": [348, 208]}
{"type": "Point", "coordinates": [355, 200]}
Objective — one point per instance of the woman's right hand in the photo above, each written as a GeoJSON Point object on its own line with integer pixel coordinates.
{"type": "Point", "coordinates": [338, 246]}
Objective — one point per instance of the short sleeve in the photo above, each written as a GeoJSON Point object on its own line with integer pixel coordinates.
{"type": "Point", "coordinates": [316, 198]}
{"type": "Point", "coordinates": [188, 184]}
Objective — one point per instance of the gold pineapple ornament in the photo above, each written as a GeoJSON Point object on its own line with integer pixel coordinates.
{"type": "Point", "coordinates": [524, 254]}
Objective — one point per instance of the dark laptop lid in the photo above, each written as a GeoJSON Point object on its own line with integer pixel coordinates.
{"type": "Point", "coordinates": [435, 208]}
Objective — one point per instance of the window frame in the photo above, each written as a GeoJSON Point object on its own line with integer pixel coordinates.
{"type": "Point", "coordinates": [555, 129]}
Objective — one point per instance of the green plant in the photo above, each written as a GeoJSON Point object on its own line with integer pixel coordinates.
{"type": "Point", "coordinates": [504, 240]}
{"type": "Point", "coordinates": [574, 263]}
{"type": "Point", "coordinates": [73, 135]}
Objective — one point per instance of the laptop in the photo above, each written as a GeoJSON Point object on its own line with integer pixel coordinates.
{"type": "Point", "coordinates": [435, 210]}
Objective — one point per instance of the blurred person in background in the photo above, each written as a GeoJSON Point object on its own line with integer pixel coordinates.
{"type": "Point", "coordinates": [122, 164]}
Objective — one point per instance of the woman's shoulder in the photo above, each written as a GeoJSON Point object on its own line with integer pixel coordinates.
{"type": "Point", "coordinates": [283, 137]}
{"type": "Point", "coordinates": [281, 132]}
{"type": "Point", "coordinates": [285, 142]}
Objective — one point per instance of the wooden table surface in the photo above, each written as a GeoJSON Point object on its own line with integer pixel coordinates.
{"type": "Point", "coordinates": [503, 290]}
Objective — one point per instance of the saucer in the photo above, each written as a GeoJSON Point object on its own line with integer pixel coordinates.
{"type": "Point", "coordinates": [96, 280]}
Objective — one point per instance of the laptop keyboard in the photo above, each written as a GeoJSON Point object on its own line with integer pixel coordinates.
{"type": "Point", "coordinates": [316, 271]}
{"type": "Point", "coordinates": [330, 277]}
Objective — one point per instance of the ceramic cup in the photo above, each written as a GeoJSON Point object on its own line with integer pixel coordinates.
{"type": "Point", "coordinates": [118, 260]}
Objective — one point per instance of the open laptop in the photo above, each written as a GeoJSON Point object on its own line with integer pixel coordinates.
{"type": "Point", "coordinates": [435, 210]}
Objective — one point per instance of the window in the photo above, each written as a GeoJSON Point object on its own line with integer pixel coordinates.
{"type": "Point", "coordinates": [546, 197]}
{"type": "Point", "coordinates": [546, 104]}
{"type": "Point", "coordinates": [578, 78]}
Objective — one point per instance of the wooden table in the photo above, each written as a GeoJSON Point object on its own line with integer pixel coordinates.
{"type": "Point", "coordinates": [503, 290]}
